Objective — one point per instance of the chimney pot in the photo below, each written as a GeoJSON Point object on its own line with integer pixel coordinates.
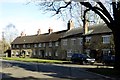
{"type": "Point", "coordinates": [38, 32]}
{"type": "Point", "coordinates": [70, 25]}
{"type": "Point", "coordinates": [50, 30]}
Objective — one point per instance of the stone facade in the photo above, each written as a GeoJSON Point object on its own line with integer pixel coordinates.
{"type": "Point", "coordinates": [62, 44]}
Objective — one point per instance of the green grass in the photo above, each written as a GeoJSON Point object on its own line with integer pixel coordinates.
{"type": "Point", "coordinates": [36, 60]}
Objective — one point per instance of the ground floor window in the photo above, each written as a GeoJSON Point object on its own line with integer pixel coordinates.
{"type": "Point", "coordinates": [56, 53]}
{"type": "Point", "coordinates": [49, 53]}
{"type": "Point", "coordinates": [46, 54]}
{"type": "Point", "coordinates": [34, 52]}
{"type": "Point", "coordinates": [106, 51]}
{"type": "Point", "coordinates": [69, 53]}
{"type": "Point", "coordinates": [87, 51]}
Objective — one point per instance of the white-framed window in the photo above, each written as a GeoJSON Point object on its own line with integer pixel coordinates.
{"type": "Point", "coordinates": [88, 39]}
{"type": "Point", "coordinates": [56, 43]}
{"type": "Point", "coordinates": [50, 44]}
{"type": "Point", "coordinates": [49, 53]}
{"type": "Point", "coordinates": [105, 51]}
{"type": "Point", "coordinates": [46, 54]}
{"type": "Point", "coordinates": [69, 53]}
{"type": "Point", "coordinates": [39, 45]}
{"type": "Point", "coordinates": [28, 46]}
{"type": "Point", "coordinates": [34, 52]}
{"type": "Point", "coordinates": [17, 46]}
{"type": "Point", "coordinates": [13, 46]}
{"type": "Point", "coordinates": [64, 41]}
{"type": "Point", "coordinates": [87, 51]}
{"type": "Point", "coordinates": [24, 46]}
{"type": "Point", "coordinates": [73, 40]}
{"type": "Point", "coordinates": [81, 41]}
{"type": "Point", "coordinates": [35, 45]}
{"type": "Point", "coordinates": [106, 39]}
{"type": "Point", "coordinates": [43, 44]}
{"type": "Point", "coordinates": [39, 53]}
{"type": "Point", "coordinates": [56, 53]}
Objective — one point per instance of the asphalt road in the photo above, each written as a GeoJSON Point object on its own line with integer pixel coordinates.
{"type": "Point", "coordinates": [15, 70]}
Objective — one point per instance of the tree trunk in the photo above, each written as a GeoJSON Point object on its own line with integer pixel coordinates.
{"type": "Point", "coordinates": [116, 34]}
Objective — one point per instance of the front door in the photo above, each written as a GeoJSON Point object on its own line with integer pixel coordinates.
{"type": "Point", "coordinates": [42, 53]}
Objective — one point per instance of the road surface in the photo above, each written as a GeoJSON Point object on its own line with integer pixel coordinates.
{"type": "Point", "coordinates": [16, 70]}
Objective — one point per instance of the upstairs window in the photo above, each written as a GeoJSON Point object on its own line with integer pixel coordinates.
{"type": "Point", "coordinates": [80, 41]}
{"type": "Point", "coordinates": [28, 46]}
{"type": "Point", "coordinates": [73, 41]}
{"type": "Point", "coordinates": [24, 46]}
{"type": "Point", "coordinates": [65, 42]}
{"type": "Point", "coordinates": [56, 43]}
{"type": "Point", "coordinates": [106, 39]}
{"type": "Point", "coordinates": [39, 45]}
{"type": "Point", "coordinates": [17, 46]}
{"type": "Point", "coordinates": [43, 44]}
{"type": "Point", "coordinates": [35, 45]}
{"type": "Point", "coordinates": [13, 46]}
{"type": "Point", "coordinates": [88, 39]}
{"type": "Point", "coordinates": [50, 44]}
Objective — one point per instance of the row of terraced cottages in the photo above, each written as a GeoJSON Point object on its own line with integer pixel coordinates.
{"type": "Point", "coordinates": [62, 44]}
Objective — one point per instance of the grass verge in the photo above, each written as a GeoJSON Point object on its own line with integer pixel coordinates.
{"type": "Point", "coordinates": [36, 60]}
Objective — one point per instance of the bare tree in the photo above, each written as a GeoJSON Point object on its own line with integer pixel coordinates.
{"type": "Point", "coordinates": [66, 11]}
{"type": "Point", "coordinates": [10, 33]}
{"type": "Point", "coordinates": [112, 18]}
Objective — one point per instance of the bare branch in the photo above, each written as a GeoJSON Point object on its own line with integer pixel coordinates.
{"type": "Point", "coordinates": [62, 7]}
{"type": "Point", "coordinates": [105, 11]}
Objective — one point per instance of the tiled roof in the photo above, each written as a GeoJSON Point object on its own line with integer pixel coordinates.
{"type": "Point", "coordinates": [39, 38]}
{"type": "Point", "coordinates": [73, 31]}
{"type": "Point", "coordinates": [100, 28]}
{"type": "Point", "coordinates": [95, 29]}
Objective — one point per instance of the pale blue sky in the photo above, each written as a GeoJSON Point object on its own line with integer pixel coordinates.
{"type": "Point", "coordinates": [27, 18]}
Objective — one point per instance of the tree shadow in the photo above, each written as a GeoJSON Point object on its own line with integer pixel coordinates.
{"type": "Point", "coordinates": [55, 71]}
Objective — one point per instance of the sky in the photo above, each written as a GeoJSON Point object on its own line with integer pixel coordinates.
{"type": "Point", "coordinates": [27, 18]}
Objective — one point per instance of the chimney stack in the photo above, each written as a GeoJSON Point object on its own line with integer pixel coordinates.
{"type": "Point", "coordinates": [86, 28]}
{"type": "Point", "coordinates": [38, 32]}
{"type": "Point", "coordinates": [22, 34]}
{"type": "Point", "coordinates": [70, 25]}
{"type": "Point", "coordinates": [50, 30]}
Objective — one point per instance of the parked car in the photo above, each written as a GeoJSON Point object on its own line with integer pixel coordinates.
{"type": "Point", "coordinates": [82, 59]}
{"type": "Point", "coordinates": [108, 59]}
